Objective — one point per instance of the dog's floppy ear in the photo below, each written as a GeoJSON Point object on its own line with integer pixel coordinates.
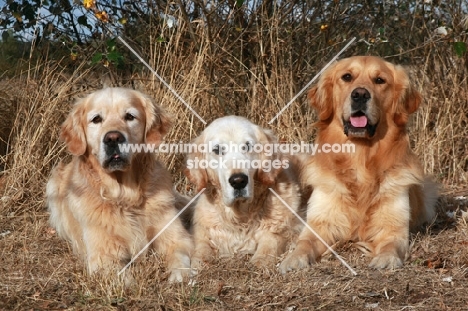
{"type": "Point", "coordinates": [158, 121]}
{"type": "Point", "coordinates": [321, 96]}
{"type": "Point", "coordinates": [72, 131]}
{"type": "Point", "coordinates": [193, 171]}
{"type": "Point", "coordinates": [267, 173]}
{"type": "Point", "coordinates": [407, 98]}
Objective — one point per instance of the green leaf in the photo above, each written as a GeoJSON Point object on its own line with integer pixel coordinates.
{"type": "Point", "coordinates": [160, 39]}
{"type": "Point", "coordinates": [115, 57]}
{"type": "Point", "coordinates": [460, 48]}
{"type": "Point", "coordinates": [13, 7]}
{"type": "Point", "coordinates": [29, 12]}
{"type": "Point", "coordinates": [239, 3]}
{"type": "Point", "coordinates": [5, 35]}
{"type": "Point", "coordinates": [82, 20]}
{"type": "Point", "coordinates": [18, 16]}
{"type": "Point", "coordinates": [382, 31]}
{"type": "Point", "coordinates": [111, 45]}
{"type": "Point", "coordinates": [96, 58]}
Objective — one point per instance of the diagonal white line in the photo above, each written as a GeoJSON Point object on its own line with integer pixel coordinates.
{"type": "Point", "coordinates": [160, 79]}
{"type": "Point", "coordinates": [160, 232]}
{"type": "Point", "coordinates": [312, 81]}
{"type": "Point", "coordinates": [103, 24]}
{"type": "Point", "coordinates": [315, 233]}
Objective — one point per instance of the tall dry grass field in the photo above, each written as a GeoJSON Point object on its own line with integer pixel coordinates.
{"type": "Point", "coordinates": [249, 64]}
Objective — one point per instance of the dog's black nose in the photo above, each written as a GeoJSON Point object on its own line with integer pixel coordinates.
{"type": "Point", "coordinates": [114, 138]}
{"type": "Point", "coordinates": [360, 95]}
{"type": "Point", "coordinates": [238, 181]}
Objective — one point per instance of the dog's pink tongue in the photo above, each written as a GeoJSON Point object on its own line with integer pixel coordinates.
{"type": "Point", "coordinates": [358, 121]}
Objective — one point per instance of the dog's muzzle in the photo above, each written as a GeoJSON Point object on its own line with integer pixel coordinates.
{"type": "Point", "coordinates": [358, 124]}
{"type": "Point", "coordinates": [115, 160]}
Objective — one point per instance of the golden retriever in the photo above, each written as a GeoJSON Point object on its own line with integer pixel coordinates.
{"type": "Point", "coordinates": [237, 213]}
{"type": "Point", "coordinates": [109, 203]}
{"type": "Point", "coordinates": [375, 194]}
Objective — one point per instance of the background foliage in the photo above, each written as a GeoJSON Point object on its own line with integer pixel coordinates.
{"type": "Point", "coordinates": [224, 57]}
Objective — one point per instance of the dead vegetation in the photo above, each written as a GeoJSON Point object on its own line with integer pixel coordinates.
{"type": "Point", "coordinates": [250, 65]}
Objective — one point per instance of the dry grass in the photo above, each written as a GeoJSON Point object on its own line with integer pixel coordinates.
{"type": "Point", "coordinates": [40, 272]}
{"type": "Point", "coordinates": [220, 70]}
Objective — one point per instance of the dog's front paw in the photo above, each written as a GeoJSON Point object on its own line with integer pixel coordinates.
{"type": "Point", "coordinates": [296, 261]}
{"type": "Point", "coordinates": [180, 268]}
{"type": "Point", "coordinates": [202, 255]}
{"type": "Point", "coordinates": [263, 260]}
{"type": "Point", "coordinates": [197, 263]}
{"type": "Point", "coordinates": [386, 260]}
{"type": "Point", "coordinates": [181, 274]}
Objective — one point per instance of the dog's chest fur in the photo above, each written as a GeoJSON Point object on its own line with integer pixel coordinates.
{"type": "Point", "coordinates": [234, 230]}
{"type": "Point", "coordinates": [234, 237]}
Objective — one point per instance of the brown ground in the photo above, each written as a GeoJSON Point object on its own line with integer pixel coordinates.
{"type": "Point", "coordinates": [39, 272]}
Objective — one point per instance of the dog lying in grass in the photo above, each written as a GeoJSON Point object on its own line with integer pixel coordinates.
{"type": "Point", "coordinates": [238, 213]}
{"type": "Point", "coordinates": [375, 194]}
{"type": "Point", "coordinates": [110, 203]}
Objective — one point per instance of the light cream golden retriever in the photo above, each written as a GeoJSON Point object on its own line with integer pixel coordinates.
{"type": "Point", "coordinates": [375, 194]}
{"type": "Point", "coordinates": [109, 202]}
{"type": "Point", "coordinates": [237, 213]}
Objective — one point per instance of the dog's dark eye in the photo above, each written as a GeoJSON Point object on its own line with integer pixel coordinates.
{"type": "Point", "coordinates": [96, 119]}
{"type": "Point", "coordinates": [379, 80]}
{"type": "Point", "coordinates": [347, 77]}
{"type": "Point", "coordinates": [129, 117]}
{"type": "Point", "coordinates": [216, 149]}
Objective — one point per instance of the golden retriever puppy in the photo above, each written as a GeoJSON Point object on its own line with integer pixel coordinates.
{"type": "Point", "coordinates": [376, 191]}
{"type": "Point", "coordinates": [110, 202]}
{"type": "Point", "coordinates": [237, 213]}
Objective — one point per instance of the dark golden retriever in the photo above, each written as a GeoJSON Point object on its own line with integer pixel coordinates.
{"type": "Point", "coordinates": [376, 193]}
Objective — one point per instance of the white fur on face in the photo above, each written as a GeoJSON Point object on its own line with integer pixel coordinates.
{"type": "Point", "coordinates": [114, 110]}
{"type": "Point", "coordinates": [240, 134]}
